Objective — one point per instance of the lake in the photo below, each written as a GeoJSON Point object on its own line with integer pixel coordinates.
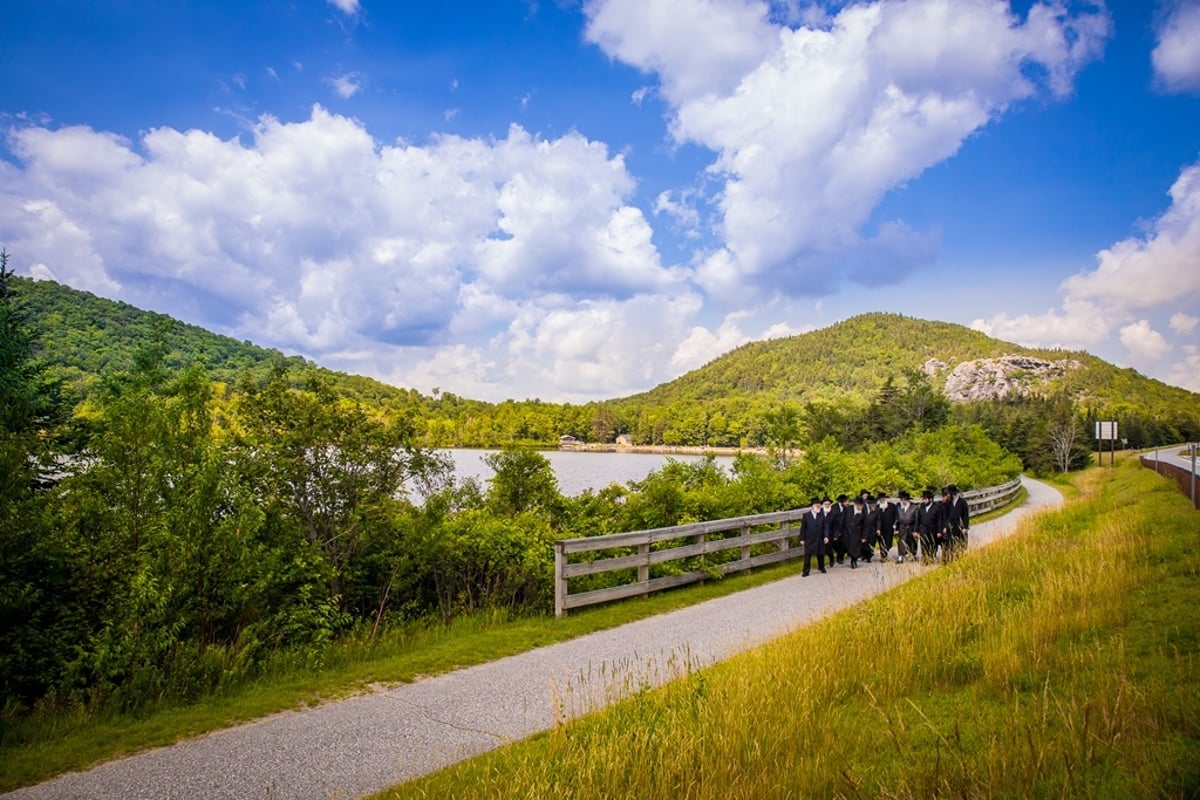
{"type": "Point", "coordinates": [579, 471]}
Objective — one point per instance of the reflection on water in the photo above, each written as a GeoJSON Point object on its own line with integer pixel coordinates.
{"type": "Point", "coordinates": [578, 471]}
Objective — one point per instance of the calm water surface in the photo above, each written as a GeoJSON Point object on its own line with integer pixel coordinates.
{"type": "Point", "coordinates": [576, 471]}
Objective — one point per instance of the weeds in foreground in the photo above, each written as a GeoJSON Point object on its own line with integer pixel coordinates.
{"type": "Point", "coordinates": [1062, 662]}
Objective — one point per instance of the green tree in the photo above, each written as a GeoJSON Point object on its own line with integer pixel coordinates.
{"type": "Point", "coordinates": [604, 424]}
{"type": "Point", "coordinates": [19, 373]}
{"type": "Point", "coordinates": [328, 471]}
{"type": "Point", "coordinates": [783, 426]}
{"type": "Point", "coordinates": [1065, 435]}
{"type": "Point", "coordinates": [824, 421]}
{"type": "Point", "coordinates": [523, 481]}
{"type": "Point", "coordinates": [884, 418]}
{"type": "Point", "coordinates": [35, 587]}
{"type": "Point", "coordinates": [919, 403]}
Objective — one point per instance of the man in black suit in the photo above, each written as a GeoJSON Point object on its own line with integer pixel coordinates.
{"type": "Point", "coordinates": [887, 525]}
{"type": "Point", "coordinates": [929, 526]}
{"type": "Point", "coordinates": [906, 528]}
{"type": "Point", "coordinates": [957, 521]}
{"type": "Point", "coordinates": [855, 535]}
{"type": "Point", "coordinates": [871, 534]}
{"type": "Point", "coordinates": [835, 529]}
{"type": "Point", "coordinates": [812, 531]}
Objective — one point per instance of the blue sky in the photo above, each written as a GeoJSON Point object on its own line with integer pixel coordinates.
{"type": "Point", "coordinates": [581, 200]}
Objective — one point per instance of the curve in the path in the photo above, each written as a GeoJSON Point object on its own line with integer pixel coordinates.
{"type": "Point", "coordinates": [364, 744]}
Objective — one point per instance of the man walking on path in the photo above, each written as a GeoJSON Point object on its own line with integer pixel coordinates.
{"type": "Point", "coordinates": [887, 525]}
{"type": "Point", "coordinates": [855, 534]}
{"type": "Point", "coordinates": [929, 526]}
{"type": "Point", "coordinates": [835, 527]}
{"type": "Point", "coordinates": [957, 522]}
{"type": "Point", "coordinates": [812, 531]}
{"type": "Point", "coordinates": [872, 532]}
{"type": "Point", "coordinates": [906, 528]}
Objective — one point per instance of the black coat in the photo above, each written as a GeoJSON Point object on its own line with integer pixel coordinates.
{"type": "Point", "coordinates": [906, 521]}
{"type": "Point", "coordinates": [872, 527]}
{"type": "Point", "coordinates": [856, 530]}
{"type": "Point", "coordinates": [887, 518]}
{"type": "Point", "coordinates": [958, 516]}
{"type": "Point", "coordinates": [833, 522]}
{"type": "Point", "coordinates": [812, 530]}
{"type": "Point", "coordinates": [929, 520]}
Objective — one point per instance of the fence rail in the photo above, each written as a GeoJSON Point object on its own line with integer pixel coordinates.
{"type": "Point", "coordinates": [760, 539]}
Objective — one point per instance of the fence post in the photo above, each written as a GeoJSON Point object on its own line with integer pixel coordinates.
{"type": "Point", "coordinates": [560, 582]}
{"type": "Point", "coordinates": [644, 566]}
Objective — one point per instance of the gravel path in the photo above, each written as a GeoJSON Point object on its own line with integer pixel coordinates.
{"type": "Point", "coordinates": [364, 744]}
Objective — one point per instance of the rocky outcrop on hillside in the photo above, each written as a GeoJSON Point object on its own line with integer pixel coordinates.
{"type": "Point", "coordinates": [998, 378]}
{"type": "Point", "coordinates": [934, 366]}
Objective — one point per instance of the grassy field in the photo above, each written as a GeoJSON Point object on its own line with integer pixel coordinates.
{"type": "Point", "coordinates": [1061, 662]}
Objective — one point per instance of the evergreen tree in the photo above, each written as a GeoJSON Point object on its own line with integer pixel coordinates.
{"type": "Point", "coordinates": [33, 584]}
{"type": "Point", "coordinates": [18, 371]}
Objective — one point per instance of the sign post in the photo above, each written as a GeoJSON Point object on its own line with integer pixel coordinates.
{"type": "Point", "coordinates": [1106, 431]}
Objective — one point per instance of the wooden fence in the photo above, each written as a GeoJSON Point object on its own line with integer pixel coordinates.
{"type": "Point", "coordinates": [759, 540]}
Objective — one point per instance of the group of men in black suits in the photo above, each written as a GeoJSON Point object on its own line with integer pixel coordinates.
{"type": "Point", "coordinates": [855, 530]}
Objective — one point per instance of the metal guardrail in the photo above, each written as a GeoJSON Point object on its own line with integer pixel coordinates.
{"type": "Point", "coordinates": [760, 539]}
{"type": "Point", "coordinates": [1174, 464]}
{"type": "Point", "coordinates": [981, 501]}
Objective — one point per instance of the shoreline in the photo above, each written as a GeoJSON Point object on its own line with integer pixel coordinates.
{"type": "Point", "coordinates": [660, 449]}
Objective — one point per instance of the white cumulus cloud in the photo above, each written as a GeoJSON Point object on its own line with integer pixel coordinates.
{"type": "Point", "coordinates": [348, 7]}
{"type": "Point", "coordinates": [1143, 342]}
{"type": "Point", "coordinates": [812, 126]}
{"type": "Point", "coordinates": [1075, 325]}
{"type": "Point", "coordinates": [1183, 323]}
{"type": "Point", "coordinates": [1156, 268]}
{"type": "Point", "coordinates": [1176, 57]}
{"type": "Point", "coordinates": [315, 237]}
{"type": "Point", "coordinates": [703, 345]}
{"type": "Point", "coordinates": [1186, 373]}
{"type": "Point", "coordinates": [346, 86]}
{"type": "Point", "coordinates": [1142, 275]}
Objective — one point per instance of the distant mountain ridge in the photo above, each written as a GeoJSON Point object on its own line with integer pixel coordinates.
{"type": "Point", "coordinates": [85, 336]}
{"type": "Point", "coordinates": [854, 357]}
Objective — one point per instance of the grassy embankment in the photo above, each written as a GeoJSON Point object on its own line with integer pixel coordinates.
{"type": "Point", "coordinates": [1062, 662]}
{"type": "Point", "coordinates": [46, 744]}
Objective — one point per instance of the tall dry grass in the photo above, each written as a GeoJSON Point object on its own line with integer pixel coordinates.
{"type": "Point", "coordinates": [1061, 662]}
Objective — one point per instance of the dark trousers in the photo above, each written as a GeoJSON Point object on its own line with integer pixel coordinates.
{"type": "Point", "coordinates": [808, 554]}
{"type": "Point", "coordinates": [837, 550]}
{"type": "Point", "coordinates": [907, 545]}
{"type": "Point", "coordinates": [885, 542]}
{"type": "Point", "coordinates": [955, 544]}
{"type": "Point", "coordinates": [929, 546]}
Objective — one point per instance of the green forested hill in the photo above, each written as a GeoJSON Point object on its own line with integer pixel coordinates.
{"type": "Point", "coordinates": [848, 360]}
{"type": "Point", "coordinates": [732, 401]}
{"type": "Point", "coordinates": [83, 337]}
{"type": "Point", "coordinates": [851, 364]}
